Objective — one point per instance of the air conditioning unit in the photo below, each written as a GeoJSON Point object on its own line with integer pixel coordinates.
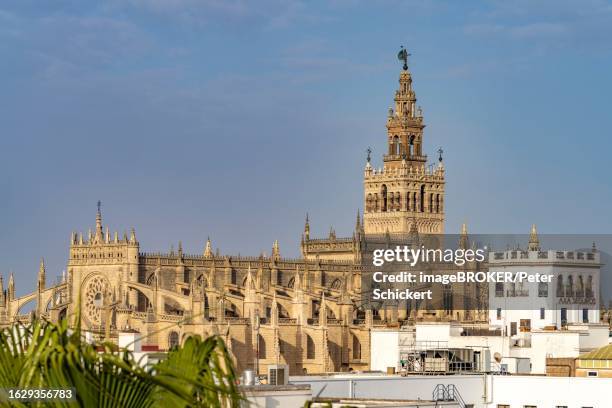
{"type": "Point", "coordinates": [278, 374]}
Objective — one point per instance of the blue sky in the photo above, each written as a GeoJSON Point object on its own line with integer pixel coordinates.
{"type": "Point", "coordinates": [232, 119]}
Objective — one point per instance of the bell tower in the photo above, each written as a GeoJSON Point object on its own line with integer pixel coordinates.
{"type": "Point", "coordinates": [407, 190]}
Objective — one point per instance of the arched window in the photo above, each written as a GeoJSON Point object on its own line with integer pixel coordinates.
{"type": "Point", "coordinates": [369, 203]}
{"type": "Point", "coordinates": [431, 208]}
{"type": "Point", "coordinates": [408, 201]}
{"type": "Point", "coordinates": [570, 286]}
{"type": "Point", "coordinates": [499, 289]}
{"type": "Point", "coordinates": [336, 284]}
{"type": "Point", "coordinates": [437, 203]}
{"type": "Point", "coordinates": [234, 278]}
{"type": "Point", "coordinates": [261, 347]}
{"type": "Point", "coordinates": [560, 286]}
{"type": "Point", "coordinates": [543, 289]}
{"type": "Point", "coordinates": [411, 146]}
{"type": "Point", "coordinates": [375, 201]}
{"type": "Point", "coordinates": [396, 145]}
{"type": "Point", "coordinates": [422, 209]}
{"type": "Point", "coordinates": [383, 194]}
{"type": "Point", "coordinates": [414, 201]}
{"type": "Point", "coordinates": [310, 348]}
{"type": "Point", "coordinates": [356, 348]}
{"type": "Point", "coordinates": [589, 287]}
{"type": "Point", "coordinates": [398, 201]}
{"type": "Point", "coordinates": [173, 340]}
{"type": "Point", "coordinates": [291, 283]}
{"type": "Point", "coordinates": [391, 201]}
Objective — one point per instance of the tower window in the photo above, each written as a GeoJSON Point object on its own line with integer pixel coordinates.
{"type": "Point", "coordinates": [411, 145]}
{"type": "Point", "coordinates": [384, 198]}
{"type": "Point", "coordinates": [422, 198]}
{"type": "Point", "coordinates": [395, 148]}
{"type": "Point", "coordinates": [369, 203]}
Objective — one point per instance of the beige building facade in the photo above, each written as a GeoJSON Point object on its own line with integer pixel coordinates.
{"type": "Point", "coordinates": [308, 312]}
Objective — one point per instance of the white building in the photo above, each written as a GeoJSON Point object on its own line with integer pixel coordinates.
{"type": "Point", "coordinates": [479, 348]}
{"type": "Point", "coordinates": [475, 391]}
{"type": "Point", "coordinates": [572, 296]}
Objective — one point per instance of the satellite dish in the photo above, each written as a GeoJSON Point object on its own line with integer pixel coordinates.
{"type": "Point", "coordinates": [497, 357]}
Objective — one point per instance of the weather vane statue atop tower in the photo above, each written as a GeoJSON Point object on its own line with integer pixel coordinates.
{"type": "Point", "coordinates": [403, 56]}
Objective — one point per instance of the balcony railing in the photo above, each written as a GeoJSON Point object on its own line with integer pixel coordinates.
{"type": "Point", "coordinates": [570, 293]}
{"type": "Point", "coordinates": [517, 292]}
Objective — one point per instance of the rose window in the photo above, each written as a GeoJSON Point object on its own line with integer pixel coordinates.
{"type": "Point", "coordinates": [96, 289]}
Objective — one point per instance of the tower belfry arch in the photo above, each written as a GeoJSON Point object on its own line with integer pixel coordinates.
{"type": "Point", "coordinates": [411, 190]}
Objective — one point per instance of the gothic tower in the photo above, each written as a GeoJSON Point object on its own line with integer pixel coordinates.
{"type": "Point", "coordinates": [406, 190]}
{"type": "Point", "coordinates": [100, 270]}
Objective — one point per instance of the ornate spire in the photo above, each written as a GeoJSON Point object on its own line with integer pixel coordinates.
{"type": "Point", "coordinates": [275, 250]}
{"type": "Point", "coordinates": [297, 282]}
{"type": "Point", "coordinates": [332, 233]}
{"type": "Point", "coordinates": [358, 222]}
{"type": "Point", "coordinates": [11, 287]}
{"type": "Point", "coordinates": [133, 236]}
{"type": "Point", "coordinates": [368, 166]}
{"type": "Point", "coordinates": [306, 229]}
{"type": "Point", "coordinates": [208, 252]}
{"type": "Point", "coordinates": [534, 241]}
{"type": "Point", "coordinates": [42, 274]}
{"type": "Point", "coordinates": [463, 239]}
{"type": "Point", "coordinates": [250, 282]}
{"type": "Point", "coordinates": [99, 233]}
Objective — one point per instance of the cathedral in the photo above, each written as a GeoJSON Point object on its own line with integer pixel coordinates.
{"type": "Point", "coordinates": [309, 313]}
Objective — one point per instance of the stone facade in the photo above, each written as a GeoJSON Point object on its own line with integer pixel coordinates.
{"type": "Point", "coordinates": [306, 312]}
